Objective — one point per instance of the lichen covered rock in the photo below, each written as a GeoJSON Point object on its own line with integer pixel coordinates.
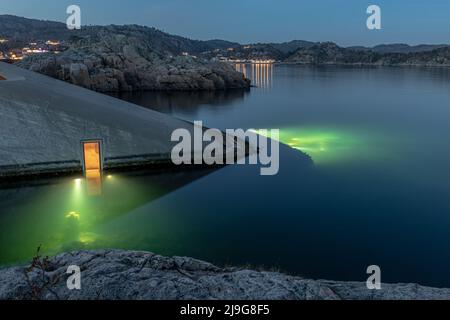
{"type": "Point", "coordinates": [115, 274]}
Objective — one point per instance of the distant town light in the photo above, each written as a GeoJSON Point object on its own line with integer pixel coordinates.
{"type": "Point", "coordinates": [53, 43]}
{"type": "Point", "coordinates": [15, 57]}
{"type": "Point", "coordinates": [268, 61]}
{"type": "Point", "coordinates": [39, 50]}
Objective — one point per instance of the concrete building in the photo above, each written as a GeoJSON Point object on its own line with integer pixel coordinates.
{"type": "Point", "coordinates": [48, 126]}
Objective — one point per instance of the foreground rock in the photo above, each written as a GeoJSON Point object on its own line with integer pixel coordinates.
{"type": "Point", "coordinates": [115, 274]}
{"type": "Point", "coordinates": [130, 58]}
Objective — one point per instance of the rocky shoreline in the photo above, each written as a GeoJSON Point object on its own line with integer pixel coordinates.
{"type": "Point", "coordinates": [126, 275]}
{"type": "Point", "coordinates": [127, 58]}
{"type": "Point", "coordinates": [122, 73]}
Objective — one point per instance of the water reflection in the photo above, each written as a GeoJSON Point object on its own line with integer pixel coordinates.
{"type": "Point", "coordinates": [261, 74]}
{"type": "Point", "coordinates": [186, 102]}
{"type": "Point", "coordinates": [242, 68]}
{"type": "Point", "coordinates": [66, 214]}
{"type": "Point", "coordinates": [334, 146]}
{"type": "Point", "coordinates": [94, 182]}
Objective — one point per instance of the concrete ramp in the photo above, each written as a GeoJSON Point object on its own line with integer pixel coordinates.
{"type": "Point", "coordinates": [43, 122]}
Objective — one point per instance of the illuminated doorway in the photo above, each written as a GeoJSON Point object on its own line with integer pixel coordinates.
{"type": "Point", "coordinates": [92, 164]}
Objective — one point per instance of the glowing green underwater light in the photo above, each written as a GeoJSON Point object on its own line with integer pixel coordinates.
{"type": "Point", "coordinates": [326, 146]}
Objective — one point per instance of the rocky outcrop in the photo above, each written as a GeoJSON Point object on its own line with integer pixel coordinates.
{"type": "Point", "coordinates": [128, 58]}
{"type": "Point", "coordinates": [115, 274]}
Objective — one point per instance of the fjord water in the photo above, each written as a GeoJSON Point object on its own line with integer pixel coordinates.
{"type": "Point", "coordinates": [377, 192]}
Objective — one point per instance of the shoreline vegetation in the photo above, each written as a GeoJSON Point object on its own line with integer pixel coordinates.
{"type": "Point", "coordinates": [125, 275]}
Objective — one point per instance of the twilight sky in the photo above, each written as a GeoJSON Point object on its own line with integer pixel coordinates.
{"type": "Point", "coordinates": [341, 21]}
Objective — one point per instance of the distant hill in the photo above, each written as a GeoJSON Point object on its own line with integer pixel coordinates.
{"type": "Point", "coordinates": [219, 44]}
{"type": "Point", "coordinates": [23, 30]}
{"type": "Point", "coordinates": [275, 51]}
{"type": "Point", "coordinates": [330, 53]}
{"type": "Point", "coordinates": [399, 48]}
{"type": "Point", "coordinates": [291, 46]}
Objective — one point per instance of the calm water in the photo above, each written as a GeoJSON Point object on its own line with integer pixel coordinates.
{"type": "Point", "coordinates": [378, 192]}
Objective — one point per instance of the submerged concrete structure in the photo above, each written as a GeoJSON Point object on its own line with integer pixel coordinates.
{"type": "Point", "coordinates": [44, 123]}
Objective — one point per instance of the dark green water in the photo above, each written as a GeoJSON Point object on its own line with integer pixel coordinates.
{"type": "Point", "coordinates": [378, 192]}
